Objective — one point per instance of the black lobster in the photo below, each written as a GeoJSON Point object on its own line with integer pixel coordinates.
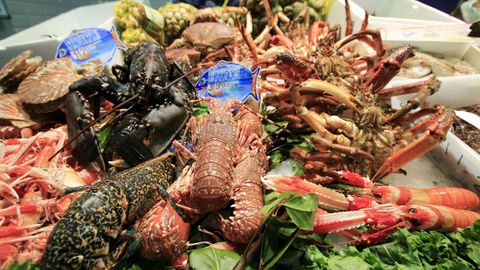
{"type": "Point", "coordinates": [151, 97]}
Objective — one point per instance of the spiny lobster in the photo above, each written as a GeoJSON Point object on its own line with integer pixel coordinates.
{"type": "Point", "coordinates": [229, 162]}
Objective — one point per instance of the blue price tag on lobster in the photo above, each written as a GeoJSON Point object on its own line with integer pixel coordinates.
{"type": "Point", "coordinates": [91, 43]}
{"type": "Point", "coordinates": [228, 81]}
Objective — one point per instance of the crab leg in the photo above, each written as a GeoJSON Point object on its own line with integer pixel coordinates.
{"type": "Point", "coordinates": [426, 89]}
{"type": "Point", "coordinates": [388, 68]}
{"type": "Point", "coordinates": [371, 37]}
{"type": "Point", "coordinates": [436, 127]}
{"type": "Point", "coordinates": [349, 27]}
{"type": "Point", "coordinates": [313, 86]}
{"type": "Point", "coordinates": [352, 151]}
{"type": "Point", "coordinates": [410, 88]}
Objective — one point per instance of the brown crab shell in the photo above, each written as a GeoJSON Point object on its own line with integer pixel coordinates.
{"type": "Point", "coordinates": [17, 69]}
{"type": "Point", "coordinates": [209, 34]}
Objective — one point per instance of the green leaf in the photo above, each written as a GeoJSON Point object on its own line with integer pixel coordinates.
{"type": "Point", "coordinates": [303, 220]}
{"type": "Point", "coordinates": [199, 109]}
{"type": "Point", "coordinates": [103, 136]}
{"type": "Point", "coordinates": [406, 250]}
{"type": "Point", "coordinates": [214, 259]}
{"type": "Point", "coordinates": [279, 255]}
{"type": "Point", "coordinates": [24, 266]}
{"type": "Point", "coordinates": [302, 209]}
{"type": "Point", "coordinates": [307, 146]}
{"type": "Point", "coordinates": [276, 158]}
{"type": "Point", "coordinates": [133, 267]}
{"type": "Point", "coordinates": [298, 169]}
{"type": "Point", "coordinates": [347, 263]}
{"type": "Point", "coordinates": [307, 202]}
{"type": "Point", "coordinates": [274, 200]}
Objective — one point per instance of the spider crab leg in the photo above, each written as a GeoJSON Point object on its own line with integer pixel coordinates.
{"type": "Point", "coordinates": [424, 89]}
{"type": "Point", "coordinates": [434, 130]}
{"type": "Point", "coordinates": [388, 68]}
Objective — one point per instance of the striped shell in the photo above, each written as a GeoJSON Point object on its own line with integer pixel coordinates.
{"type": "Point", "coordinates": [18, 68]}
{"type": "Point", "coordinates": [49, 82]}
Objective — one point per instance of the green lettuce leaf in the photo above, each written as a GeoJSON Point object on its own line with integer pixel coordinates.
{"type": "Point", "coordinates": [212, 258]}
{"type": "Point", "coordinates": [405, 250]}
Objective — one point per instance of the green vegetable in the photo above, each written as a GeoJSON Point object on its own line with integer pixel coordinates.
{"type": "Point", "coordinates": [24, 266]}
{"type": "Point", "coordinates": [177, 18]}
{"type": "Point", "coordinates": [103, 137]}
{"type": "Point", "coordinates": [406, 250]}
{"type": "Point", "coordinates": [199, 109]}
{"type": "Point", "coordinates": [212, 258]}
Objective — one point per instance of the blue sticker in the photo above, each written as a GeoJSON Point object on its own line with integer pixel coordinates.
{"type": "Point", "coordinates": [228, 81]}
{"type": "Point", "coordinates": [90, 43]}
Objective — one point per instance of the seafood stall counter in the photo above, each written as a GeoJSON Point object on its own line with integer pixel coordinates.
{"type": "Point", "coordinates": [237, 137]}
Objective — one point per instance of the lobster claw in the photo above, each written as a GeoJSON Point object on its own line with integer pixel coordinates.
{"type": "Point", "coordinates": [126, 140]}
{"type": "Point", "coordinates": [435, 129]}
{"type": "Point", "coordinates": [85, 147]}
{"type": "Point", "coordinates": [165, 122]}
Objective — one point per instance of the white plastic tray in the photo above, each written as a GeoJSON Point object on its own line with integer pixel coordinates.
{"type": "Point", "coordinates": [453, 157]}
{"type": "Point", "coordinates": [400, 19]}
{"type": "Point", "coordinates": [44, 38]}
{"type": "Point", "coordinates": [455, 89]}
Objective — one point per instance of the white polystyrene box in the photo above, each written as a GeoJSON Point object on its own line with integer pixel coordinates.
{"type": "Point", "coordinates": [416, 21]}
{"type": "Point", "coordinates": [43, 38]}
{"type": "Point", "coordinates": [454, 157]}
{"type": "Point", "coordinates": [466, 86]}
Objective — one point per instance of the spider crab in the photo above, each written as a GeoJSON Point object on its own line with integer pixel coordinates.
{"type": "Point", "coordinates": [323, 86]}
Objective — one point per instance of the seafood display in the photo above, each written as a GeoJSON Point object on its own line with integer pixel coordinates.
{"type": "Point", "coordinates": [344, 107]}
{"type": "Point", "coordinates": [424, 64]}
{"type": "Point", "coordinates": [130, 168]}
{"type": "Point", "coordinates": [229, 163]}
{"type": "Point", "coordinates": [156, 94]}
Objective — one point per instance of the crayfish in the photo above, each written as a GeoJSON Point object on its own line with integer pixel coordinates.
{"type": "Point", "coordinates": [154, 95]}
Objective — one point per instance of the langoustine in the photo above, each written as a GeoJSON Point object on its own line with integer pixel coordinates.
{"type": "Point", "coordinates": [369, 195]}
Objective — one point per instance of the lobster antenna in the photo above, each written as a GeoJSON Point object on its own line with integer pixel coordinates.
{"type": "Point", "coordinates": [184, 75]}
{"type": "Point", "coordinates": [93, 123]}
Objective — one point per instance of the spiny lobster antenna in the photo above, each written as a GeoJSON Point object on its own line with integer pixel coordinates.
{"type": "Point", "coordinates": [93, 123]}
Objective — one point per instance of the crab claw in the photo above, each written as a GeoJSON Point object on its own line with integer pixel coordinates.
{"type": "Point", "coordinates": [380, 217]}
{"type": "Point", "coordinates": [435, 129]}
{"type": "Point", "coordinates": [337, 93]}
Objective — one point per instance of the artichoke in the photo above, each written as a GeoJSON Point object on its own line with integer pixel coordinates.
{"type": "Point", "coordinates": [177, 18]}
{"type": "Point", "coordinates": [132, 15]}
{"type": "Point", "coordinates": [132, 36]}
{"type": "Point", "coordinates": [229, 15]}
